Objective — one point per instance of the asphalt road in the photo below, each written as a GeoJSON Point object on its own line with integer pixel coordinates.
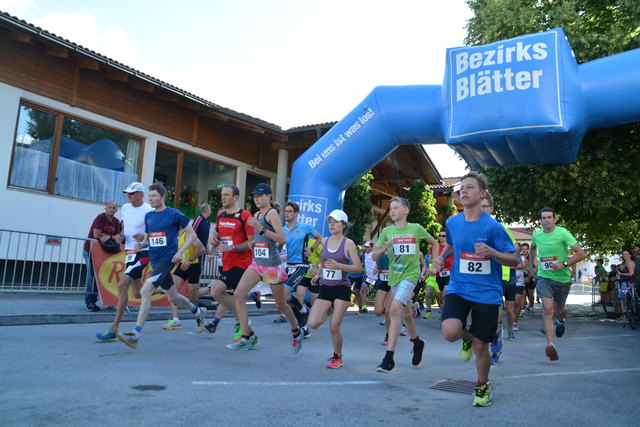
{"type": "Point", "coordinates": [60, 375]}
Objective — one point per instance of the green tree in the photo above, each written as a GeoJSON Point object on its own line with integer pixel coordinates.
{"type": "Point", "coordinates": [358, 207]}
{"type": "Point", "coordinates": [423, 210]}
{"type": "Point", "coordinates": [596, 197]}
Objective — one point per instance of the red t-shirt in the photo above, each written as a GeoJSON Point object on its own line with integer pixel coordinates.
{"type": "Point", "coordinates": [233, 229]}
{"type": "Point", "coordinates": [103, 224]}
{"type": "Point", "coordinates": [448, 263]}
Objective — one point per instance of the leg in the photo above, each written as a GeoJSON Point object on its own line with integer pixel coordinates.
{"type": "Point", "coordinates": [278, 295]}
{"type": "Point", "coordinates": [339, 309]}
{"type": "Point", "coordinates": [249, 279]}
{"type": "Point", "coordinates": [410, 322]}
{"type": "Point", "coordinates": [395, 315]}
{"type": "Point", "coordinates": [91, 293]}
{"type": "Point", "coordinates": [364, 292]}
{"type": "Point", "coordinates": [380, 302]}
{"type": "Point", "coordinates": [483, 359]}
{"type": "Point", "coordinates": [123, 300]}
{"type": "Point", "coordinates": [547, 319]}
{"type": "Point", "coordinates": [319, 313]}
{"type": "Point", "coordinates": [453, 330]}
{"type": "Point", "coordinates": [225, 301]}
{"type": "Point", "coordinates": [145, 303]}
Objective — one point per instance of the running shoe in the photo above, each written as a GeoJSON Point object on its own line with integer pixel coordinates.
{"type": "Point", "coordinates": [386, 366]}
{"type": "Point", "coordinates": [559, 328]}
{"type": "Point", "coordinates": [241, 344]}
{"type": "Point", "coordinates": [403, 331]}
{"type": "Point", "coordinates": [530, 311]}
{"type": "Point", "coordinates": [483, 396]}
{"type": "Point", "coordinates": [466, 350]}
{"type": "Point", "coordinates": [212, 327]}
{"type": "Point", "coordinates": [201, 315]}
{"type": "Point", "coordinates": [364, 309]}
{"type": "Point", "coordinates": [495, 358]}
{"type": "Point", "coordinates": [255, 296]}
{"type": "Point", "coordinates": [280, 319]}
{"type": "Point", "coordinates": [172, 324]}
{"type": "Point", "coordinates": [427, 315]}
{"type": "Point", "coordinates": [418, 348]}
{"type": "Point", "coordinates": [382, 323]}
{"type": "Point", "coordinates": [238, 332]}
{"type": "Point", "coordinates": [296, 342]}
{"type": "Point", "coordinates": [511, 336]}
{"type": "Point", "coordinates": [107, 336]}
{"type": "Point", "coordinates": [551, 352]}
{"type": "Point", "coordinates": [385, 341]}
{"type": "Point", "coordinates": [307, 333]}
{"type": "Point", "coordinates": [334, 363]}
{"type": "Point", "coordinates": [254, 340]}
{"type": "Point", "coordinates": [515, 326]}
{"type": "Point", "coordinates": [129, 339]}
{"type": "Point", "coordinates": [522, 313]}
{"type": "Point", "coordinates": [303, 319]}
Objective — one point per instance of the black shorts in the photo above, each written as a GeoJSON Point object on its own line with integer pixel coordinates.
{"type": "Point", "coordinates": [332, 293]}
{"type": "Point", "coordinates": [531, 284]}
{"type": "Point", "coordinates": [161, 275]}
{"type": "Point", "coordinates": [356, 283]}
{"type": "Point", "coordinates": [510, 291]}
{"type": "Point", "coordinates": [306, 282]}
{"type": "Point", "coordinates": [442, 282]}
{"type": "Point", "coordinates": [231, 278]}
{"type": "Point", "coordinates": [295, 273]}
{"type": "Point", "coordinates": [192, 275]}
{"type": "Point", "coordinates": [417, 288]}
{"type": "Point", "coordinates": [135, 266]}
{"type": "Point", "coordinates": [484, 317]}
{"type": "Point", "coordinates": [383, 286]}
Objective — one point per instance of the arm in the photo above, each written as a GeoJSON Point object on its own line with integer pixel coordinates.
{"type": "Point", "coordinates": [199, 251]}
{"type": "Point", "coordinates": [318, 241]}
{"type": "Point", "coordinates": [533, 252]}
{"type": "Point", "coordinates": [375, 255]}
{"type": "Point", "coordinates": [578, 255]}
{"type": "Point", "coordinates": [277, 234]}
{"type": "Point", "coordinates": [191, 237]}
{"type": "Point", "coordinates": [510, 259]}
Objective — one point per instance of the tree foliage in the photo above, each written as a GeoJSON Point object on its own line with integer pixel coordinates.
{"type": "Point", "coordinates": [358, 207]}
{"type": "Point", "coordinates": [423, 210]}
{"type": "Point", "coordinates": [596, 197]}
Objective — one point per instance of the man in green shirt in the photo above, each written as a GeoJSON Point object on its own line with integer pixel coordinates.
{"type": "Point", "coordinates": [549, 251]}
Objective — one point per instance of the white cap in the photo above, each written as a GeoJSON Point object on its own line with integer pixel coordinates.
{"type": "Point", "coordinates": [338, 215]}
{"type": "Point", "coordinates": [368, 244]}
{"type": "Point", "coordinates": [133, 187]}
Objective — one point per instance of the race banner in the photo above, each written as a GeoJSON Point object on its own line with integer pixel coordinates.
{"type": "Point", "coordinates": [108, 269]}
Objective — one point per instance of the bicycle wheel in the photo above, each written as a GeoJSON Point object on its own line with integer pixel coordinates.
{"type": "Point", "coordinates": [630, 311]}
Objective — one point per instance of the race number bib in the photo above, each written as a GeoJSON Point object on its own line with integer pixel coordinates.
{"type": "Point", "coordinates": [130, 256]}
{"type": "Point", "coordinates": [547, 262]}
{"type": "Point", "coordinates": [157, 239]}
{"type": "Point", "coordinates": [471, 263]}
{"type": "Point", "coordinates": [261, 250]}
{"type": "Point", "coordinates": [370, 280]}
{"type": "Point", "coordinates": [519, 278]}
{"type": "Point", "coordinates": [404, 246]}
{"type": "Point", "coordinates": [227, 242]}
{"type": "Point", "coordinates": [444, 273]}
{"type": "Point", "coordinates": [384, 275]}
{"type": "Point", "coordinates": [329, 274]}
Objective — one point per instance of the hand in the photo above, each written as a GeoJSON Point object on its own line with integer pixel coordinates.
{"type": "Point", "coordinates": [214, 241]}
{"type": "Point", "coordinates": [104, 238]}
{"type": "Point", "coordinates": [484, 250]}
{"type": "Point", "coordinates": [138, 247]}
{"type": "Point", "coordinates": [223, 248]}
{"type": "Point", "coordinates": [307, 252]}
{"type": "Point", "coordinates": [139, 237]}
{"type": "Point", "coordinates": [252, 222]}
{"type": "Point", "coordinates": [251, 244]}
{"type": "Point", "coordinates": [177, 257]}
{"type": "Point", "coordinates": [558, 266]}
{"type": "Point", "coordinates": [387, 244]}
{"type": "Point", "coordinates": [438, 264]}
{"type": "Point", "coordinates": [185, 265]}
{"type": "Point", "coordinates": [432, 271]}
{"type": "Point", "coordinates": [331, 264]}
{"type": "Point", "coordinates": [314, 280]}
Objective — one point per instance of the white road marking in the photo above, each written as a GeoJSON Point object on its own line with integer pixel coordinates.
{"type": "Point", "coordinates": [554, 374]}
{"type": "Point", "coordinates": [286, 383]}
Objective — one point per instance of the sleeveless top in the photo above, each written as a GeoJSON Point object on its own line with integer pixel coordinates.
{"type": "Point", "coordinates": [338, 256]}
{"type": "Point", "coordinates": [625, 269]}
{"type": "Point", "coordinates": [264, 244]}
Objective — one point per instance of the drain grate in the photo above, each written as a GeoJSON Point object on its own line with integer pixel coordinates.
{"type": "Point", "coordinates": [455, 386]}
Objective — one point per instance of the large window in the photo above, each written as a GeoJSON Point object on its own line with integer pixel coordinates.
{"type": "Point", "coordinates": [68, 157]}
{"type": "Point", "coordinates": [191, 180]}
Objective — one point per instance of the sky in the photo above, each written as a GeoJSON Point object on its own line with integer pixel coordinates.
{"type": "Point", "coordinates": [288, 62]}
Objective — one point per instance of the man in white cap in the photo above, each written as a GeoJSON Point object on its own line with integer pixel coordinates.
{"type": "Point", "coordinates": [133, 228]}
{"type": "Point", "coordinates": [369, 279]}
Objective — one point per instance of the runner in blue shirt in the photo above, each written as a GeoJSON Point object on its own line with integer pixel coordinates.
{"type": "Point", "coordinates": [479, 245]}
{"type": "Point", "coordinates": [162, 227]}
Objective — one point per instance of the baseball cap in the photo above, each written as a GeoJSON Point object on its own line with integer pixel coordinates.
{"type": "Point", "coordinates": [368, 244]}
{"type": "Point", "coordinates": [261, 189]}
{"type": "Point", "coordinates": [338, 215]}
{"type": "Point", "coordinates": [133, 187]}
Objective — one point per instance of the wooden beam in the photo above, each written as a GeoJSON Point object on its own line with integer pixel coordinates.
{"type": "Point", "coordinates": [188, 104]}
{"type": "Point", "coordinates": [215, 115]}
{"type": "Point", "coordinates": [196, 126]}
{"type": "Point", "coordinates": [89, 64]}
{"type": "Point", "coordinates": [114, 74]}
{"type": "Point", "coordinates": [74, 88]}
{"type": "Point", "coordinates": [57, 51]}
{"type": "Point", "coordinates": [291, 145]}
{"type": "Point", "coordinates": [380, 222]}
{"type": "Point", "coordinates": [246, 125]}
{"type": "Point", "coordinates": [20, 37]}
{"type": "Point", "coordinates": [142, 85]}
{"type": "Point", "coordinates": [167, 96]}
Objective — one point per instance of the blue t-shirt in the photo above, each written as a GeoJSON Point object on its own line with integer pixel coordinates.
{"type": "Point", "coordinates": [297, 241]}
{"type": "Point", "coordinates": [163, 228]}
{"type": "Point", "coordinates": [475, 278]}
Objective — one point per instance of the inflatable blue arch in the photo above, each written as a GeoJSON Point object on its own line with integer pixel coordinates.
{"type": "Point", "coordinates": [522, 100]}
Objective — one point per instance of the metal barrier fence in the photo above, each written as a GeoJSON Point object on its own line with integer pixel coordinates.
{"type": "Point", "coordinates": [34, 262]}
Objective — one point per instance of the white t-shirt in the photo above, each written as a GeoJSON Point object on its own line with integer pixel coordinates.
{"type": "Point", "coordinates": [369, 265]}
{"type": "Point", "coordinates": [133, 219]}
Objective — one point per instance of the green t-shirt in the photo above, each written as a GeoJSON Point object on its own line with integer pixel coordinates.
{"type": "Point", "coordinates": [404, 255]}
{"type": "Point", "coordinates": [553, 247]}
{"type": "Point", "coordinates": [602, 274]}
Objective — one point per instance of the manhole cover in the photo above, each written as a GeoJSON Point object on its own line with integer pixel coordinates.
{"type": "Point", "coordinates": [149, 387]}
{"type": "Point", "coordinates": [456, 386]}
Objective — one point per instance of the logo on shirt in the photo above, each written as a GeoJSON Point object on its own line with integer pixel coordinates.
{"type": "Point", "coordinates": [227, 224]}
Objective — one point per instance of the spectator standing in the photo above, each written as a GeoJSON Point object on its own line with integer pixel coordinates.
{"type": "Point", "coordinates": [104, 227]}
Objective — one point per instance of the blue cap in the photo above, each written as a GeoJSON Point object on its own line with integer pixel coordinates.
{"type": "Point", "coordinates": [261, 189]}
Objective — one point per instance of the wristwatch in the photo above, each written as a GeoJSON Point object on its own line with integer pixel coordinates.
{"type": "Point", "coordinates": [262, 231]}
{"type": "Point", "coordinates": [565, 263]}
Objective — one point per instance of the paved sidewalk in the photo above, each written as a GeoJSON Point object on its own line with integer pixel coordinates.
{"type": "Point", "coordinates": [26, 308]}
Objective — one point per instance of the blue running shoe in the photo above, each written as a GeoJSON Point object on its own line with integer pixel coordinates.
{"type": "Point", "coordinates": [496, 347]}
{"type": "Point", "coordinates": [107, 336]}
{"type": "Point", "coordinates": [559, 328]}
